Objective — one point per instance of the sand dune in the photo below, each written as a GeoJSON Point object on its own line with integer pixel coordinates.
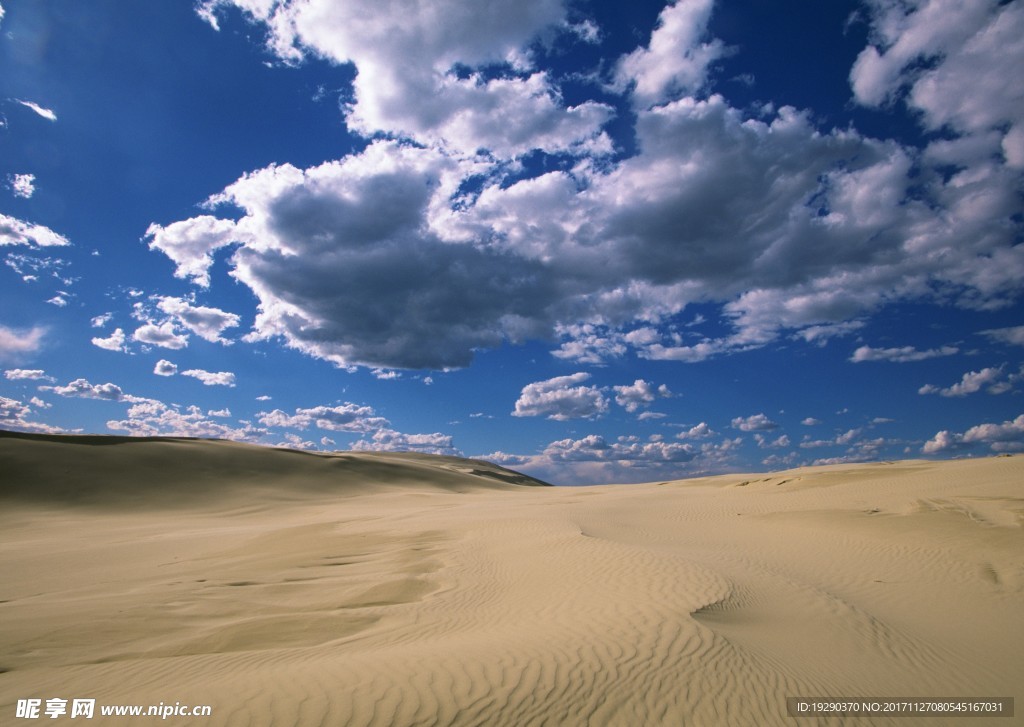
{"type": "Point", "coordinates": [285, 588]}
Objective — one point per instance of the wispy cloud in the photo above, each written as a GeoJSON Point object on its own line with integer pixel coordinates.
{"type": "Point", "coordinates": [902, 354]}
{"type": "Point", "coordinates": [42, 111]}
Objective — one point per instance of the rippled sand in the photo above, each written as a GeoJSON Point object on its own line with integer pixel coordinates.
{"type": "Point", "coordinates": [284, 588]}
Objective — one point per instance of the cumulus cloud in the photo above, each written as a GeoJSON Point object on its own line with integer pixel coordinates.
{"type": "Point", "coordinates": [676, 61]}
{"type": "Point", "coordinates": [14, 414]}
{"type": "Point", "coordinates": [388, 440]}
{"type": "Point", "coordinates": [594, 458]}
{"type": "Point", "coordinates": [765, 443]}
{"type": "Point", "coordinates": [595, 448]}
{"type": "Point", "coordinates": [114, 342]}
{"type": "Point", "coordinates": [407, 83]}
{"type": "Point", "coordinates": [18, 232]}
{"type": "Point", "coordinates": [387, 259]}
{"type": "Point", "coordinates": [754, 423]}
{"type": "Point", "coordinates": [211, 378]}
{"type": "Point", "coordinates": [698, 431]}
{"type": "Point", "coordinates": [27, 374]}
{"type": "Point", "coordinates": [902, 354]}
{"type": "Point", "coordinates": [345, 270]}
{"type": "Point", "coordinates": [207, 323]}
{"type": "Point", "coordinates": [347, 417]}
{"type": "Point", "coordinates": [22, 185]}
{"type": "Point", "coordinates": [561, 398]}
{"type": "Point", "coordinates": [163, 335]}
{"type": "Point", "coordinates": [190, 244]}
{"type": "Point", "coordinates": [165, 368]}
{"type": "Point", "coordinates": [971, 382]}
{"type": "Point", "coordinates": [639, 393]}
{"type": "Point", "coordinates": [150, 418]}
{"type": "Point", "coordinates": [1005, 437]}
{"type": "Point", "coordinates": [970, 53]}
{"type": "Point", "coordinates": [82, 389]}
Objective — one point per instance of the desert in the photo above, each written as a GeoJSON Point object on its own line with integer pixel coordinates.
{"type": "Point", "coordinates": [280, 587]}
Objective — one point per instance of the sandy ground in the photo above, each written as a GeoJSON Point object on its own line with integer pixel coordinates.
{"type": "Point", "coordinates": [289, 589]}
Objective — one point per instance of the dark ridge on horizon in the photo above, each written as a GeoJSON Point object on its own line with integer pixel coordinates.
{"type": "Point", "coordinates": [94, 469]}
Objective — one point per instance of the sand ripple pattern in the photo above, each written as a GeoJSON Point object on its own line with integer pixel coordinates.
{"type": "Point", "coordinates": [690, 603]}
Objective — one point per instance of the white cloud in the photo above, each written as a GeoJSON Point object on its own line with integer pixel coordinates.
{"type": "Point", "coordinates": [101, 320]}
{"type": "Point", "coordinates": [22, 185]}
{"type": "Point", "coordinates": [219, 412]}
{"type": "Point", "coordinates": [810, 422]}
{"type": "Point", "coordinates": [18, 232]}
{"type": "Point", "coordinates": [165, 368]}
{"type": "Point", "coordinates": [902, 354]}
{"type": "Point", "coordinates": [347, 417]}
{"type": "Point", "coordinates": [699, 431]}
{"type": "Point", "coordinates": [384, 258]}
{"type": "Point", "coordinates": [595, 459]}
{"type": "Point", "coordinates": [345, 270]}
{"type": "Point", "coordinates": [677, 59]}
{"type": "Point", "coordinates": [943, 441]}
{"type": "Point", "coordinates": [40, 110]}
{"type": "Point", "coordinates": [821, 334]}
{"type": "Point", "coordinates": [14, 414]}
{"type": "Point", "coordinates": [27, 374]}
{"type": "Point", "coordinates": [561, 398]}
{"type": "Point", "coordinates": [589, 344]}
{"type": "Point", "coordinates": [971, 52]}
{"type": "Point", "coordinates": [1014, 335]}
{"type": "Point", "coordinates": [595, 448]}
{"type": "Point", "coordinates": [211, 378]}
{"type": "Point", "coordinates": [294, 441]}
{"type": "Point", "coordinates": [388, 440]}
{"type": "Point", "coordinates": [1005, 437]}
{"type": "Point", "coordinates": [405, 53]}
{"type": "Point", "coordinates": [754, 423]}
{"type": "Point", "coordinates": [764, 443]}
{"type": "Point", "coordinates": [189, 244]}
{"type": "Point", "coordinates": [163, 335]}
{"type": "Point", "coordinates": [207, 323]}
{"type": "Point", "coordinates": [148, 418]}
{"type": "Point", "coordinates": [82, 389]}
{"type": "Point", "coordinates": [15, 343]}
{"type": "Point", "coordinates": [114, 342]}
{"type": "Point", "coordinates": [639, 393]}
{"type": "Point", "coordinates": [971, 382]}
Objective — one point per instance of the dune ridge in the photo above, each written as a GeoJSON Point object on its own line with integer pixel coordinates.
{"type": "Point", "coordinates": [122, 471]}
{"type": "Point", "coordinates": [692, 602]}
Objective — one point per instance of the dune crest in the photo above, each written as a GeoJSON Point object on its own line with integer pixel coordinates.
{"type": "Point", "coordinates": [146, 471]}
{"type": "Point", "coordinates": [696, 602]}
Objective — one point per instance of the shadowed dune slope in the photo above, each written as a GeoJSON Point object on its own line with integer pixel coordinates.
{"type": "Point", "coordinates": [143, 471]}
{"type": "Point", "coordinates": [411, 590]}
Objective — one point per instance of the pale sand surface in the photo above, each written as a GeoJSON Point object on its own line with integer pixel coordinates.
{"type": "Point", "coordinates": [391, 590]}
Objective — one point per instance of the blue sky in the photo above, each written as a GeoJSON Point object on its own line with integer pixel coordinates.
{"type": "Point", "coordinates": [594, 241]}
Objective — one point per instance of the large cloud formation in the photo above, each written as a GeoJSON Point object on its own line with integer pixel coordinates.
{"type": "Point", "coordinates": [434, 242]}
